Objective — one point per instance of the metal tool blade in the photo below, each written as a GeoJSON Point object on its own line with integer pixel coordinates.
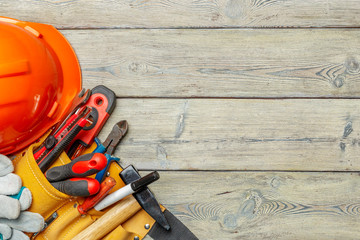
{"type": "Point", "coordinates": [117, 133]}
{"type": "Point", "coordinates": [77, 102]}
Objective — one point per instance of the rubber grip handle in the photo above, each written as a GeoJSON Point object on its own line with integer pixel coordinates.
{"type": "Point", "coordinates": [82, 166]}
{"type": "Point", "coordinates": [46, 162]}
{"type": "Point", "coordinates": [109, 94]}
{"type": "Point", "coordinates": [90, 202]}
{"type": "Point", "coordinates": [102, 102]}
{"type": "Point", "coordinates": [144, 181]}
{"type": "Point", "coordinates": [78, 187]}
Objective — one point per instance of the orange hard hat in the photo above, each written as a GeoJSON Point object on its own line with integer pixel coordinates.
{"type": "Point", "coordinates": [39, 77]}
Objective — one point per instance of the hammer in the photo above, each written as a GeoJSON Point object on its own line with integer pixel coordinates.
{"type": "Point", "coordinates": [126, 208]}
{"type": "Point", "coordinates": [145, 197]}
{"type": "Point", "coordinates": [118, 214]}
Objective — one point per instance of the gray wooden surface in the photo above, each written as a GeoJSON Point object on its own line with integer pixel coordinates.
{"type": "Point", "coordinates": [248, 108]}
{"type": "Point", "coordinates": [221, 62]}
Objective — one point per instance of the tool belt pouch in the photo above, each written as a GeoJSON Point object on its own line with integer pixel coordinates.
{"type": "Point", "coordinates": [69, 222]}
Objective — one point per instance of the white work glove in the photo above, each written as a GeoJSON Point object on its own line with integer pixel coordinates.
{"type": "Point", "coordinates": [14, 200]}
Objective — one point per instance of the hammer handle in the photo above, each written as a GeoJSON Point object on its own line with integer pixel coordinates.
{"type": "Point", "coordinates": [118, 214]}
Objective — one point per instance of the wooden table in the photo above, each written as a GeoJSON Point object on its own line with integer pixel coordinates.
{"type": "Point", "coordinates": [248, 108]}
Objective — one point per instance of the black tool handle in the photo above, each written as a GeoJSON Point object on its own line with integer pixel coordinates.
{"type": "Point", "coordinates": [46, 162]}
{"type": "Point", "coordinates": [79, 187]}
{"type": "Point", "coordinates": [82, 166]}
{"type": "Point", "coordinates": [144, 181]}
{"type": "Point", "coordinates": [145, 197]}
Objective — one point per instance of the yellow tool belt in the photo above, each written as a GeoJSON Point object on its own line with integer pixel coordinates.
{"type": "Point", "coordinates": [69, 222]}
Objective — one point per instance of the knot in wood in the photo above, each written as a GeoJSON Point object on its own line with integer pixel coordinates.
{"type": "Point", "coordinates": [352, 65]}
{"type": "Point", "coordinates": [339, 80]}
{"type": "Point", "coordinates": [138, 68]}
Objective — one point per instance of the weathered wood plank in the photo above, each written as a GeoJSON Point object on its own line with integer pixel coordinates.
{"type": "Point", "coordinates": [240, 134]}
{"type": "Point", "coordinates": [186, 13]}
{"type": "Point", "coordinates": [271, 205]}
{"type": "Point", "coordinates": [221, 63]}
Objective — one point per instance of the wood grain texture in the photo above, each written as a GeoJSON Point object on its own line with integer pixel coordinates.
{"type": "Point", "coordinates": [271, 205]}
{"type": "Point", "coordinates": [239, 134]}
{"type": "Point", "coordinates": [185, 13]}
{"type": "Point", "coordinates": [203, 147]}
{"type": "Point", "coordinates": [221, 63]}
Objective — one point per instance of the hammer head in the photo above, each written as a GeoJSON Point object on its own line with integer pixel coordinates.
{"type": "Point", "coordinates": [145, 197]}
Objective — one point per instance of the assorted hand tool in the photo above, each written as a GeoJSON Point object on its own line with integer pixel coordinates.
{"type": "Point", "coordinates": [127, 190]}
{"type": "Point", "coordinates": [71, 178]}
{"type": "Point", "coordinates": [56, 143]}
{"type": "Point", "coordinates": [71, 122]}
{"type": "Point", "coordinates": [79, 187]}
{"type": "Point", "coordinates": [89, 113]}
{"type": "Point", "coordinates": [105, 187]}
{"type": "Point", "coordinates": [145, 197]}
{"type": "Point", "coordinates": [82, 166]}
{"type": "Point", "coordinates": [77, 103]}
{"type": "Point", "coordinates": [102, 101]}
{"type": "Point", "coordinates": [108, 147]}
{"type": "Point", "coordinates": [117, 215]}
{"type": "Point", "coordinates": [76, 133]}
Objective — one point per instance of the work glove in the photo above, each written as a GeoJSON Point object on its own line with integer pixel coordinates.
{"type": "Point", "coordinates": [14, 200]}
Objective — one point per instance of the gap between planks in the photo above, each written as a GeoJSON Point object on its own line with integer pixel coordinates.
{"type": "Point", "coordinates": [240, 98]}
{"type": "Point", "coordinates": [202, 28]}
{"type": "Point", "coordinates": [246, 171]}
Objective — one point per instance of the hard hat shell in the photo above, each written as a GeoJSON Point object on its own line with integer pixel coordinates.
{"type": "Point", "coordinates": [39, 77]}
